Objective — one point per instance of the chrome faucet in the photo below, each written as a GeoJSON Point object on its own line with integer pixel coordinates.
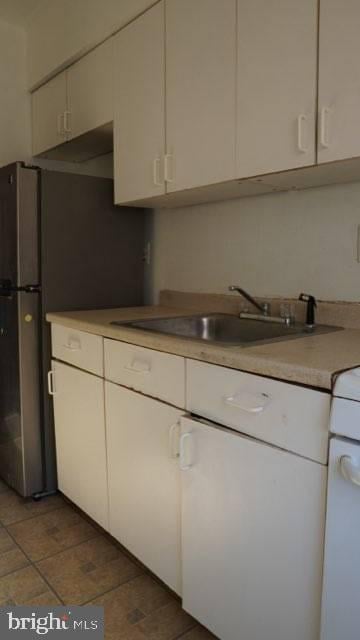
{"type": "Point", "coordinates": [263, 308]}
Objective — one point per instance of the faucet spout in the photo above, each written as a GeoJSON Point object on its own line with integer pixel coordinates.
{"type": "Point", "coordinates": [263, 308]}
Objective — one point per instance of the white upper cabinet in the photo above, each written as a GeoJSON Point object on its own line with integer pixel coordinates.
{"type": "Point", "coordinates": [276, 80]}
{"type": "Point", "coordinates": [339, 80]}
{"type": "Point", "coordinates": [49, 106]}
{"type": "Point", "coordinates": [139, 122]}
{"type": "Point", "coordinates": [77, 101]}
{"type": "Point", "coordinates": [200, 92]}
{"type": "Point", "coordinates": [90, 90]}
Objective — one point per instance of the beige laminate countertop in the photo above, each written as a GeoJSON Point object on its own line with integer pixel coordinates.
{"type": "Point", "coordinates": [311, 361]}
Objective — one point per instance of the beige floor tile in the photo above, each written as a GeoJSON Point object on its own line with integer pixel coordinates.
{"type": "Point", "coordinates": [52, 532]}
{"type": "Point", "coordinates": [126, 605]}
{"type": "Point", "coordinates": [87, 570]}
{"type": "Point", "coordinates": [11, 557]}
{"type": "Point", "coordinates": [45, 599]}
{"type": "Point", "coordinates": [23, 587]}
{"type": "Point", "coordinates": [13, 508]}
{"type": "Point", "coordinates": [166, 623]}
{"type": "Point", "coordinates": [198, 633]}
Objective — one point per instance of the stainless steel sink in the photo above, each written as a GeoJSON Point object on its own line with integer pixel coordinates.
{"type": "Point", "coordinates": [225, 329]}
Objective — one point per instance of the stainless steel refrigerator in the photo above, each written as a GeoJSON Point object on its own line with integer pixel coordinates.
{"type": "Point", "coordinates": [63, 246]}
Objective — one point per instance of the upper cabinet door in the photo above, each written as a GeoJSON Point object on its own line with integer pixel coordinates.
{"type": "Point", "coordinates": [49, 104]}
{"type": "Point", "coordinates": [339, 80]}
{"type": "Point", "coordinates": [139, 113]}
{"type": "Point", "coordinates": [90, 90]}
{"type": "Point", "coordinates": [200, 92]}
{"type": "Point", "coordinates": [276, 98]}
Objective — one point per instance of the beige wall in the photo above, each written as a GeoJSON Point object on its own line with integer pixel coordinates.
{"type": "Point", "coordinates": [14, 100]}
{"type": "Point", "coordinates": [277, 244]}
{"type": "Point", "coordinates": [62, 30]}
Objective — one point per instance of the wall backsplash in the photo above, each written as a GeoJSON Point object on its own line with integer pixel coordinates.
{"type": "Point", "coordinates": [277, 244]}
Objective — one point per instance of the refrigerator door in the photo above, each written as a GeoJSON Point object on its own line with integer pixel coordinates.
{"type": "Point", "coordinates": [20, 428]}
{"type": "Point", "coordinates": [20, 431]}
{"type": "Point", "coordinates": [91, 258]}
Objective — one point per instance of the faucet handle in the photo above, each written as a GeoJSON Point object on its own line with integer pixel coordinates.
{"type": "Point", "coordinates": [310, 308]}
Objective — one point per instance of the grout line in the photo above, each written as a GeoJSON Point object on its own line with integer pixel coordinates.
{"type": "Point", "coordinates": [184, 633]}
{"type": "Point", "coordinates": [104, 593]}
{"type": "Point", "coordinates": [53, 555]}
{"type": "Point", "coordinates": [37, 515]}
{"type": "Point", "coordinates": [32, 564]}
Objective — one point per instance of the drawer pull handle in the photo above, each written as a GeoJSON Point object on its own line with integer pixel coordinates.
{"type": "Point", "coordinates": [72, 345]}
{"type": "Point", "coordinates": [184, 464]}
{"type": "Point", "coordinates": [350, 469]}
{"type": "Point", "coordinates": [138, 367]}
{"type": "Point", "coordinates": [249, 402]}
{"type": "Point", "coordinates": [50, 378]}
{"type": "Point", "coordinates": [173, 444]}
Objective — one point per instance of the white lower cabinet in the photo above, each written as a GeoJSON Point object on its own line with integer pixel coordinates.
{"type": "Point", "coordinates": [80, 439]}
{"type": "Point", "coordinates": [252, 536]}
{"type": "Point", "coordinates": [144, 479]}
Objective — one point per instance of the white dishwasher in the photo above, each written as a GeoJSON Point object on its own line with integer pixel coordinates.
{"type": "Point", "coordinates": [341, 592]}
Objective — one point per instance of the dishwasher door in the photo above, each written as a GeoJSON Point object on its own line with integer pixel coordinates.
{"type": "Point", "coordinates": [253, 521]}
{"type": "Point", "coordinates": [341, 600]}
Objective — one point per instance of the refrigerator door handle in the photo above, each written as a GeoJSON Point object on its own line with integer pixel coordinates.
{"type": "Point", "coordinates": [7, 288]}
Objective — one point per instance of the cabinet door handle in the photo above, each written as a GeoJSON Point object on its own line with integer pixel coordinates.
{"type": "Point", "coordinates": [301, 121]}
{"type": "Point", "coordinates": [169, 168]}
{"type": "Point", "coordinates": [67, 121]}
{"type": "Point", "coordinates": [50, 378]}
{"type": "Point", "coordinates": [156, 172]}
{"type": "Point", "coordinates": [350, 469]}
{"type": "Point", "coordinates": [138, 367]}
{"type": "Point", "coordinates": [60, 124]}
{"type": "Point", "coordinates": [324, 127]}
{"type": "Point", "coordinates": [184, 466]}
{"type": "Point", "coordinates": [173, 450]}
{"type": "Point", "coordinates": [253, 403]}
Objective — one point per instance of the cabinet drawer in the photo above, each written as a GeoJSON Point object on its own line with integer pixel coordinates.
{"type": "Point", "coordinates": [291, 417]}
{"type": "Point", "coordinates": [154, 373]}
{"type": "Point", "coordinates": [81, 349]}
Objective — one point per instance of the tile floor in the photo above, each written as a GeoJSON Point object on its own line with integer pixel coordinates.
{"type": "Point", "coordinates": [50, 553]}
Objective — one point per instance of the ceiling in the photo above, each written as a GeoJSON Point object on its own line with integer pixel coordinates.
{"type": "Point", "coordinates": [17, 12]}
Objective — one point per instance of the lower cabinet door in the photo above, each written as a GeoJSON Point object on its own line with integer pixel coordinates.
{"type": "Point", "coordinates": [80, 439]}
{"type": "Point", "coordinates": [252, 536]}
{"type": "Point", "coordinates": [144, 479]}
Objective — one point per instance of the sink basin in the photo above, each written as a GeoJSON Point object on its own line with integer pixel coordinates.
{"type": "Point", "coordinates": [225, 329]}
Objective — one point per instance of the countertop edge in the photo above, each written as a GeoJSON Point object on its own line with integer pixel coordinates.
{"type": "Point", "coordinates": [246, 361]}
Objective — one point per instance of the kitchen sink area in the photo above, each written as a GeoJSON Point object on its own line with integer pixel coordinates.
{"type": "Point", "coordinates": [227, 329]}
